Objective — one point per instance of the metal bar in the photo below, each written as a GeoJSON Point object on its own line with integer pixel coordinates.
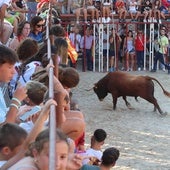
{"type": "Point", "coordinates": [52, 123]}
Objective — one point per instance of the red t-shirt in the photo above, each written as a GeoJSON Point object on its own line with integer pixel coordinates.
{"type": "Point", "coordinates": [139, 43]}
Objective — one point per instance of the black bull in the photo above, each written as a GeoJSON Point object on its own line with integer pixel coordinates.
{"type": "Point", "coordinates": [124, 84]}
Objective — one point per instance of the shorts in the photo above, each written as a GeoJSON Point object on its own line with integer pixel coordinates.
{"type": "Point", "coordinates": [104, 52]}
{"type": "Point", "coordinates": [133, 11]}
{"type": "Point", "coordinates": [111, 53]}
{"type": "Point", "coordinates": [132, 50]}
{"type": "Point", "coordinates": [90, 7]}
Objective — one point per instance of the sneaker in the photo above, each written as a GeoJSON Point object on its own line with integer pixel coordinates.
{"type": "Point", "coordinates": [160, 22]}
{"type": "Point", "coordinates": [154, 20]}
{"type": "Point", "coordinates": [108, 19]}
{"type": "Point", "coordinates": [86, 22]}
{"type": "Point", "coordinates": [139, 69]}
{"type": "Point", "coordinates": [77, 22]}
{"type": "Point", "coordinates": [149, 20]}
{"type": "Point", "coordinates": [93, 21]}
{"type": "Point", "coordinates": [145, 20]}
{"type": "Point", "coordinates": [163, 69]}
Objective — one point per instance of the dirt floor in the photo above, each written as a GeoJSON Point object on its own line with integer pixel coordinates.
{"type": "Point", "coordinates": [141, 135]}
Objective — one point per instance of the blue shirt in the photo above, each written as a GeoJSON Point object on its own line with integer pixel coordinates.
{"type": "Point", "coordinates": [38, 37]}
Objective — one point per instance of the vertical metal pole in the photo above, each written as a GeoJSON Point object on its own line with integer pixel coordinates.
{"type": "Point", "coordinates": [52, 123]}
{"type": "Point", "coordinates": [108, 45]}
{"type": "Point", "coordinates": [94, 45]}
{"type": "Point", "coordinates": [144, 67]}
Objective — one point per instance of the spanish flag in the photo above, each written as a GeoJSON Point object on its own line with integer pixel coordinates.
{"type": "Point", "coordinates": [71, 51]}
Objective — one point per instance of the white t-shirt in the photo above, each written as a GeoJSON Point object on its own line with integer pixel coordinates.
{"type": "Point", "coordinates": [24, 163]}
{"type": "Point", "coordinates": [26, 76]}
{"type": "Point", "coordinates": [7, 2]}
{"type": "Point", "coordinates": [94, 153]}
{"type": "Point", "coordinates": [2, 163]}
{"type": "Point", "coordinates": [3, 107]}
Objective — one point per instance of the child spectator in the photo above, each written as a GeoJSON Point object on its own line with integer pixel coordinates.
{"type": "Point", "coordinates": [139, 47]}
{"type": "Point", "coordinates": [38, 158]}
{"type": "Point", "coordinates": [26, 50]}
{"type": "Point", "coordinates": [129, 51]}
{"type": "Point", "coordinates": [97, 141]}
{"type": "Point", "coordinates": [133, 10]}
{"type": "Point", "coordinates": [165, 8]}
{"type": "Point", "coordinates": [106, 5]}
{"type": "Point", "coordinates": [159, 56]}
{"type": "Point", "coordinates": [7, 70]}
{"type": "Point", "coordinates": [11, 138]}
{"type": "Point", "coordinates": [108, 160]}
{"type": "Point", "coordinates": [114, 41]}
{"type": "Point", "coordinates": [21, 150]}
{"type": "Point", "coordinates": [156, 11]}
{"type": "Point", "coordinates": [121, 10]}
{"type": "Point", "coordinates": [92, 10]}
{"type": "Point", "coordinates": [86, 45]}
{"type": "Point", "coordinates": [75, 38]}
{"type": "Point", "coordinates": [147, 10]}
{"type": "Point", "coordinates": [77, 7]}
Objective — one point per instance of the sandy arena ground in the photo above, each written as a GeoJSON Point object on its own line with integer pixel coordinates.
{"type": "Point", "coordinates": [141, 135]}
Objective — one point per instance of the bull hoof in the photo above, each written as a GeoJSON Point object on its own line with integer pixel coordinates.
{"type": "Point", "coordinates": [164, 114]}
{"type": "Point", "coordinates": [131, 108]}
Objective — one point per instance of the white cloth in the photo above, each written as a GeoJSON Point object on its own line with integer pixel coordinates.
{"type": "Point", "coordinates": [76, 43]}
{"type": "Point", "coordinates": [3, 107]}
{"type": "Point", "coordinates": [27, 126]}
{"type": "Point", "coordinates": [2, 163]}
{"type": "Point", "coordinates": [26, 76]}
{"type": "Point", "coordinates": [94, 153]}
{"type": "Point", "coordinates": [26, 163]}
{"type": "Point", "coordinates": [7, 2]}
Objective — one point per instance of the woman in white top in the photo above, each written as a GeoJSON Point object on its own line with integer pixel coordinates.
{"type": "Point", "coordinates": [129, 50]}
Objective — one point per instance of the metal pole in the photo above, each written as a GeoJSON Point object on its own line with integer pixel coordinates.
{"type": "Point", "coordinates": [144, 68]}
{"type": "Point", "coordinates": [52, 123]}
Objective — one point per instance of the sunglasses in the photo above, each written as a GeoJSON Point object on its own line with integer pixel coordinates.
{"type": "Point", "coordinates": [38, 25]}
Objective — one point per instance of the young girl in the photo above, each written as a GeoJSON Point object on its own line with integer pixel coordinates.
{"type": "Point", "coordinates": [156, 11]}
{"type": "Point", "coordinates": [130, 51]}
{"type": "Point", "coordinates": [106, 5]}
{"type": "Point", "coordinates": [91, 9]}
{"type": "Point", "coordinates": [121, 10]}
{"type": "Point", "coordinates": [38, 156]}
{"type": "Point", "coordinates": [147, 10]}
{"type": "Point", "coordinates": [114, 40]}
{"type": "Point", "coordinates": [134, 13]}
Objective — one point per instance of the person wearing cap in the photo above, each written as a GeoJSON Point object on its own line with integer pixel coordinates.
{"type": "Point", "coordinates": [94, 152]}
{"type": "Point", "coordinates": [108, 161]}
{"type": "Point", "coordinates": [159, 56]}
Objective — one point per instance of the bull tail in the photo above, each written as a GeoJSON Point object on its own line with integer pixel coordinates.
{"type": "Point", "coordinates": [164, 91]}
